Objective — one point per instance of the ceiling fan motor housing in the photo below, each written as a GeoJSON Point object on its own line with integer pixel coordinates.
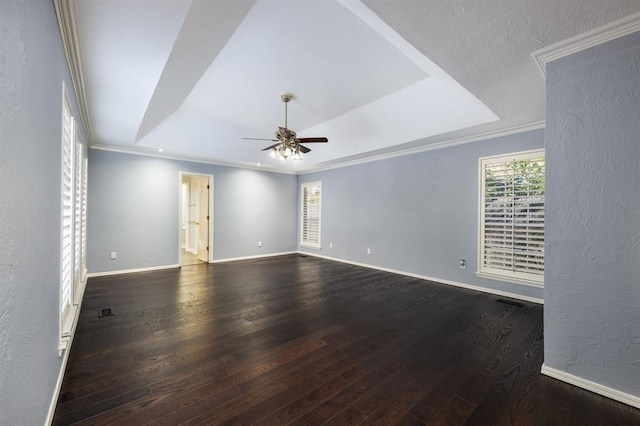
{"type": "Point", "coordinates": [285, 134]}
{"type": "Point", "coordinates": [288, 145]}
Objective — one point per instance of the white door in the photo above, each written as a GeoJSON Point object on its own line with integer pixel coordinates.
{"type": "Point", "coordinates": [203, 220]}
{"type": "Point", "coordinates": [184, 217]}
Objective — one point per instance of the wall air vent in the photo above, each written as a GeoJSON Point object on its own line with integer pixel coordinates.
{"type": "Point", "coordinates": [509, 302]}
{"type": "Point", "coordinates": [105, 312]}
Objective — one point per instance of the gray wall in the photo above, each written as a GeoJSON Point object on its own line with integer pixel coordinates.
{"type": "Point", "coordinates": [133, 210]}
{"type": "Point", "coordinates": [32, 67]}
{"type": "Point", "coordinates": [417, 213]}
{"type": "Point", "coordinates": [592, 294]}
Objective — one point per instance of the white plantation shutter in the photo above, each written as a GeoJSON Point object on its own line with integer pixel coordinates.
{"type": "Point", "coordinates": [77, 218]}
{"type": "Point", "coordinates": [67, 239]}
{"type": "Point", "coordinates": [73, 232]}
{"type": "Point", "coordinates": [310, 214]}
{"type": "Point", "coordinates": [77, 193]}
{"type": "Point", "coordinates": [85, 163]}
{"type": "Point", "coordinates": [512, 217]}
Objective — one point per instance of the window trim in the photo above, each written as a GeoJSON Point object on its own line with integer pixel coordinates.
{"type": "Point", "coordinates": [533, 280]}
{"type": "Point", "coordinates": [303, 242]}
{"type": "Point", "coordinates": [73, 211]}
{"type": "Point", "coordinates": [65, 304]}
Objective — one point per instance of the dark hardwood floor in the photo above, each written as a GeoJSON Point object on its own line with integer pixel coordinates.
{"type": "Point", "coordinates": [302, 340]}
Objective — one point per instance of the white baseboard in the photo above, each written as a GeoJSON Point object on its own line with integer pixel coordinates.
{"type": "Point", "coordinates": [65, 356]}
{"type": "Point", "coordinates": [594, 387]}
{"type": "Point", "coordinates": [438, 280]}
{"type": "Point", "coordinates": [393, 271]}
{"type": "Point", "coordinates": [129, 271]}
{"type": "Point", "coordinates": [157, 268]}
{"type": "Point", "coordinates": [259, 256]}
{"type": "Point", "coordinates": [56, 393]}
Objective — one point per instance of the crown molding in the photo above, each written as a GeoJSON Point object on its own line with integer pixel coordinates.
{"type": "Point", "coordinates": [338, 164]}
{"type": "Point", "coordinates": [237, 165]}
{"type": "Point", "coordinates": [611, 31]}
{"type": "Point", "coordinates": [438, 145]}
{"type": "Point", "coordinates": [66, 14]}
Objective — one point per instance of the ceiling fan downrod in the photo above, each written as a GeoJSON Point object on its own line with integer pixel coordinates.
{"type": "Point", "coordinates": [286, 98]}
{"type": "Point", "coordinates": [288, 147]}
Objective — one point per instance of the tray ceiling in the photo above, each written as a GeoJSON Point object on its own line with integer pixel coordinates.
{"type": "Point", "coordinates": [192, 77]}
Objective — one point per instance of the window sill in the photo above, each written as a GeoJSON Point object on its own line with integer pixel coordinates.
{"type": "Point", "coordinates": [512, 280]}
{"type": "Point", "coordinates": [67, 323]}
{"type": "Point", "coordinates": [309, 246]}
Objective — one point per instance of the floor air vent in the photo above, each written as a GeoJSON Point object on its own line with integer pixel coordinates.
{"type": "Point", "coordinates": [105, 312]}
{"type": "Point", "coordinates": [509, 302]}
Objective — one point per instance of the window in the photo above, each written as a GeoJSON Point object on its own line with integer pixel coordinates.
{"type": "Point", "coordinates": [79, 220]}
{"type": "Point", "coordinates": [511, 243]}
{"type": "Point", "coordinates": [83, 252]}
{"type": "Point", "coordinates": [67, 215]}
{"type": "Point", "coordinates": [310, 217]}
{"type": "Point", "coordinates": [73, 244]}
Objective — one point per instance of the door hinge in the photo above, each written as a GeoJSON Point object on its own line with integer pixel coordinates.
{"type": "Point", "coordinates": [207, 186]}
{"type": "Point", "coordinates": [207, 217]}
{"type": "Point", "coordinates": [207, 248]}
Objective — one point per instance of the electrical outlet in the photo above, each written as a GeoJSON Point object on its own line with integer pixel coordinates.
{"type": "Point", "coordinates": [113, 255]}
{"type": "Point", "coordinates": [368, 251]}
{"type": "Point", "coordinates": [330, 245]}
{"type": "Point", "coordinates": [463, 264]}
{"type": "Point", "coordinates": [259, 243]}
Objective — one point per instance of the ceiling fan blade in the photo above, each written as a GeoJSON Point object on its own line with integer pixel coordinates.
{"type": "Point", "coordinates": [270, 147]}
{"type": "Point", "coordinates": [260, 139]}
{"type": "Point", "coordinates": [303, 149]}
{"type": "Point", "coordinates": [313, 140]}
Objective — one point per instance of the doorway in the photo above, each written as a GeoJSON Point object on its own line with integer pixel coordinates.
{"type": "Point", "coordinates": [195, 218]}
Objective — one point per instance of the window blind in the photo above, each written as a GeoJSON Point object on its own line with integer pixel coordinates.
{"type": "Point", "coordinates": [67, 252]}
{"type": "Point", "coordinates": [512, 216]}
{"type": "Point", "coordinates": [77, 219]}
{"type": "Point", "coordinates": [310, 220]}
{"type": "Point", "coordinates": [85, 162]}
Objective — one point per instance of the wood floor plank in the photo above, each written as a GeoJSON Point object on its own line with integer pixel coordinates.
{"type": "Point", "coordinates": [494, 404]}
{"type": "Point", "coordinates": [455, 412]}
{"type": "Point", "coordinates": [342, 401]}
{"type": "Point", "coordinates": [408, 420]}
{"type": "Point", "coordinates": [276, 401]}
{"type": "Point", "coordinates": [350, 416]}
{"type": "Point", "coordinates": [301, 340]}
{"type": "Point", "coordinates": [297, 369]}
{"type": "Point", "coordinates": [314, 398]}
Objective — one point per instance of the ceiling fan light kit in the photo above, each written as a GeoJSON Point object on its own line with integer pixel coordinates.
{"type": "Point", "coordinates": [288, 145]}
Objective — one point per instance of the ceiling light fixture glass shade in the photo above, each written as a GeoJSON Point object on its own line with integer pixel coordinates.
{"type": "Point", "coordinates": [282, 151]}
{"type": "Point", "coordinates": [287, 148]}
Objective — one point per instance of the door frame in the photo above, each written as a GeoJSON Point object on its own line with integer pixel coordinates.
{"type": "Point", "coordinates": [181, 175]}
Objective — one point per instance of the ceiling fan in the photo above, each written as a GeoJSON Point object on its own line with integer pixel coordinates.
{"type": "Point", "coordinates": [288, 144]}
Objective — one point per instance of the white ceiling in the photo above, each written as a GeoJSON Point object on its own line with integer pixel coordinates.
{"type": "Point", "coordinates": [195, 76]}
